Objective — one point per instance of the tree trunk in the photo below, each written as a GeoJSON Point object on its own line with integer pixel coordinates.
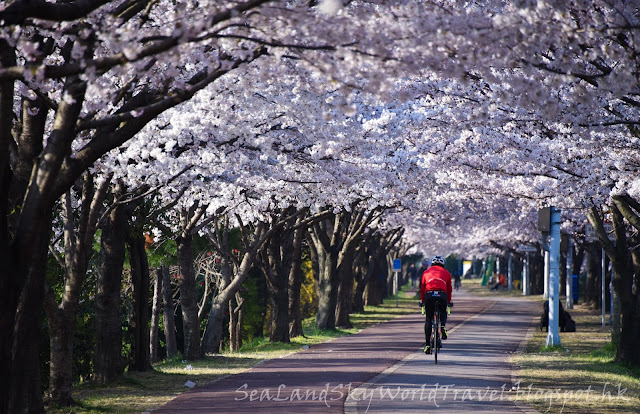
{"type": "Point", "coordinates": [233, 336]}
{"type": "Point", "coordinates": [79, 233]}
{"type": "Point", "coordinates": [236, 319]}
{"type": "Point", "coordinates": [358, 296]}
{"type": "Point", "coordinates": [625, 325]}
{"type": "Point", "coordinates": [279, 331]}
{"type": "Point", "coordinates": [578, 259]}
{"type": "Point", "coordinates": [140, 316]}
{"type": "Point", "coordinates": [188, 299]}
{"type": "Point", "coordinates": [276, 262]}
{"type": "Point", "coordinates": [240, 322]}
{"type": "Point", "coordinates": [295, 284]}
{"type": "Point", "coordinates": [327, 290]}
{"type": "Point", "coordinates": [345, 290]}
{"type": "Point", "coordinates": [538, 273]}
{"type": "Point", "coordinates": [168, 314]}
{"type": "Point", "coordinates": [24, 235]}
{"type": "Point", "coordinates": [213, 333]}
{"type": "Point", "coordinates": [377, 284]}
{"type": "Point", "coordinates": [594, 274]}
{"type": "Point", "coordinates": [61, 333]}
{"type": "Point", "coordinates": [108, 361]}
{"type": "Point", "coordinates": [25, 392]}
{"type": "Point", "coordinates": [154, 343]}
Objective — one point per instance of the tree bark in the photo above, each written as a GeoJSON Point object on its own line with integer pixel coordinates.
{"type": "Point", "coordinates": [276, 262]}
{"type": "Point", "coordinates": [61, 332]}
{"type": "Point", "coordinates": [232, 280]}
{"type": "Point", "coordinates": [79, 232]}
{"type": "Point", "coordinates": [154, 343]}
{"type": "Point", "coordinates": [295, 284]}
{"type": "Point", "coordinates": [140, 316]}
{"type": "Point", "coordinates": [367, 265]}
{"type": "Point", "coordinates": [188, 299]}
{"type": "Point", "coordinates": [327, 290]}
{"type": "Point", "coordinates": [345, 290]}
{"type": "Point", "coordinates": [108, 360]}
{"type": "Point", "coordinates": [9, 286]}
{"type": "Point", "coordinates": [377, 285]}
{"type": "Point", "coordinates": [168, 314]}
{"type": "Point", "coordinates": [213, 332]}
{"type": "Point", "coordinates": [236, 305]}
{"type": "Point", "coordinates": [626, 331]}
{"type": "Point", "coordinates": [25, 391]}
{"type": "Point", "coordinates": [594, 274]}
{"type": "Point", "coordinates": [23, 281]}
{"type": "Point", "coordinates": [626, 323]}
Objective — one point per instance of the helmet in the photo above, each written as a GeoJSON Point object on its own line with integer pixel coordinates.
{"type": "Point", "coordinates": [437, 260]}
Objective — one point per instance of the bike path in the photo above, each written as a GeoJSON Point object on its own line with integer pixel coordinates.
{"type": "Point", "coordinates": [472, 375]}
{"type": "Point", "coordinates": [319, 379]}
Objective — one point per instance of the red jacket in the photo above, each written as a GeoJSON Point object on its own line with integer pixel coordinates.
{"type": "Point", "coordinates": [436, 278]}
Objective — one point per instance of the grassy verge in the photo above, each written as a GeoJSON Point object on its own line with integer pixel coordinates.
{"type": "Point", "coordinates": [581, 376]}
{"type": "Point", "coordinates": [141, 392]}
{"type": "Point", "coordinates": [474, 287]}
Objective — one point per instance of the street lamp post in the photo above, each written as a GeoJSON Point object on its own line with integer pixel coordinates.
{"type": "Point", "coordinates": [553, 337]}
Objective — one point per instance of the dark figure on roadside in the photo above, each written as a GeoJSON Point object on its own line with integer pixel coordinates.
{"type": "Point", "coordinates": [456, 281]}
{"type": "Point", "coordinates": [423, 266]}
{"type": "Point", "coordinates": [502, 282]}
{"type": "Point", "coordinates": [412, 274]}
{"type": "Point", "coordinates": [435, 290]}
{"type": "Point", "coordinates": [565, 321]}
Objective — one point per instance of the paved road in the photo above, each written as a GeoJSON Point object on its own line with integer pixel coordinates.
{"type": "Point", "coordinates": [318, 380]}
{"type": "Point", "coordinates": [472, 374]}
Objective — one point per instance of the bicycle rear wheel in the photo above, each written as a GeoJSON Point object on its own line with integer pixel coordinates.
{"type": "Point", "coordinates": [436, 334]}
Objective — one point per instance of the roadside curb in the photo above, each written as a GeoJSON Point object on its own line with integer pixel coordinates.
{"type": "Point", "coordinates": [522, 348]}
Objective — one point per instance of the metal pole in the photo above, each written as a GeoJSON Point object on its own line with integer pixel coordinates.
{"type": "Point", "coordinates": [611, 301]}
{"type": "Point", "coordinates": [395, 283]}
{"type": "Point", "coordinates": [525, 276]}
{"type": "Point", "coordinates": [510, 273]}
{"type": "Point", "coordinates": [553, 338]}
{"type": "Point", "coordinates": [602, 287]}
{"type": "Point", "coordinates": [569, 286]}
{"type": "Point", "coordinates": [546, 274]}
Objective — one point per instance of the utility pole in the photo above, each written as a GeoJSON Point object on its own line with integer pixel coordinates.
{"type": "Point", "coordinates": [397, 268]}
{"type": "Point", "coordinates": [525, 267]}
{"type": "Point", "coordinates": [547, 259]}
{"type": "Point", "coordinates": [569, 285]}
{"type": "Point", "coordinates": [603, 285]}
{"type": "Point", "coordinates": [553, 338]}
{"type": "Point", "coordinates": [510, 272]}
{"type": "Point", "coordinates": [525, 276]}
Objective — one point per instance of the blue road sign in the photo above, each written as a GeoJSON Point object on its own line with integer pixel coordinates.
{"type": "Point", "coordinates": [397, 265]}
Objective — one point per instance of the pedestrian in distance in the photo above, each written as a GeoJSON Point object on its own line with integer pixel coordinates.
{"type": "Point", "coordinates": [502, 282]}
{"type": "Point", "coordinates": [457, 282]}
{"type": "Point", "coordinates": [412, 274]}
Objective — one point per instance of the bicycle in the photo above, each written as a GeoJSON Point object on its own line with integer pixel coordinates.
{"type": "Point", "coordinates": [435, 342]}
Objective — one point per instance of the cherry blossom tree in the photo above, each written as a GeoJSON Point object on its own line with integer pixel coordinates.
{"type": "Point", "coordinates": [483, 112]}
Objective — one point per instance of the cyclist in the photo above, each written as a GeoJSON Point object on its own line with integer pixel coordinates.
{"type": "Point", "coordinates": [456, 280]}
{"type": "Point", "coordinates": [435, 290]}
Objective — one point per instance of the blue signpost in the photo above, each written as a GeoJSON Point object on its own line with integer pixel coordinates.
{"type": "Point", "coordinates": [397, 267]}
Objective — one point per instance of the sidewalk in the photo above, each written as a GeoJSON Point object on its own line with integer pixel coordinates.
{"type": "Point", "coordinates": [319, 379]}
